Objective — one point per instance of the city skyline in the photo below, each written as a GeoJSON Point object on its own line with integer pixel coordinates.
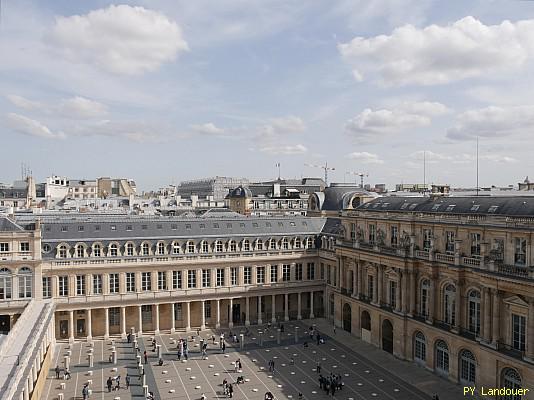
{"type": "Point", "coordinates": [364, 86]}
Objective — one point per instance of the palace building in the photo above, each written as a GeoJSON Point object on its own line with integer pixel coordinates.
{"type": "Point", "coordinates": [444, 282]}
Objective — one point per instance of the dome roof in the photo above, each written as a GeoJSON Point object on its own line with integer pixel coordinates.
{"type": "Point", "coordinates": [240, 191]}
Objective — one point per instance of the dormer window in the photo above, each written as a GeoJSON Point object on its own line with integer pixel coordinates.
{"type": "Point", "coordinates": [475, 207]}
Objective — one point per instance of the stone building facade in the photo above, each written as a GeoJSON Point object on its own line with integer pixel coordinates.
{"type": "Point", "coordinates": [445, 282]}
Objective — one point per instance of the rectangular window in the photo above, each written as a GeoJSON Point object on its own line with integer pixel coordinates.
{"type": "Point", "coordinates": [178, 312]}
{"type": "Point", "coordinates": [63, 286]}
{"type": "Point", "coordinates": [475, 244]}
{"type": "Point", "coordinates": [353, 231]}
{"type": "Point", "coordinates": [177, 279]}
{"type": "Point", "coordinates": [233, 276]}
{"type": "Point", "coordinates": [47, 287]}
{"type": "Point", "coordinates": [191, 278]}
{"type": "Point", "coordinates": [372, 234]}
{"type": "Point", "coordinates": [322, 271]}
{"type": "Point", "coordinates": [207, 309]}
{"type": "Point", "coordinates": [393, 294]}
{"type": "Point", "coordinates": [97, 284]}
{"type": "Point", "coordinates": [113, 283]}
{"type": "Point", "coordinates": [146, 314]}
{"type": "Point", "coordinates": [274, 273]}
{"type": "Point", "coordinates": [146, 281]}
{"type": "Point", "coordinates": [260, 275]}
{"type": "Point", "coordinates": [518, 332]}
{"type": "Point", "coordinates": [162, 280]}
{"type": "Point", "coordinates": [311, 272]}
{"type": "Point", "coordinates": [394, 236]}
{"type": "Point", "coordinates": [449, 244]}
{"type": "Point", "coordinates": [80, 285]}
{"type": "Point", "coordinates": [286, 272]}
{"type": "Point", "coordinates": [520, 256]}
{"type": "Point", "coordinates": [247, 275]}
{"type": "Point", "coordinates": [130, 281]}
{"type": "Point", "coordinates": [427, 239]}
{"type": "Point", "coordinates": [4, 247]}
{"type": "Point", "coordinates": [114, 316]}
{"type": "Point", "coordinates": [25, 247]}
{"type": "Point", "coordinates": [220, 277]}
{"type": "Point", "coordinates": [298, 272]}
{"type": "Point", "coordinates": [370, 286]}
{"type": "Point", "coordinates": [206, 278]}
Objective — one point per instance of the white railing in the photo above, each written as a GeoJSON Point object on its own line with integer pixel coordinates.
{"type": "Point", "coordinates": [471, 261]}
{"type": "Point", "coordinates": [448, 258]}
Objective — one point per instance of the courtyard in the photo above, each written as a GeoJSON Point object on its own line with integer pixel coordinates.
{"type": "Point", "coordinates": [295, 367]}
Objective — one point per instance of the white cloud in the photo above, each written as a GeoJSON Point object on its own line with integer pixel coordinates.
{"type": "Point", "coordinates": [135, 131]}
{"type": "Point", "coordinates": [23, 102]}
{"type": "Point", "coordinates": [371, 124]}
{"type": "Point", "coordinates": [284, 149]}
{"type": "Point", "coordinates": [27, 126]}
{"type": "Point", "coordinates": [74, 107]}
{"type": "Point", "coordinates": [277, 127]}
{"type": "Point", "coordinates": [441, 54]}
{"type": "Point", "coordinates": [493, 122]}
{"type": "Point", "coordinates": [119, 39]}
{"type": "Point", "coordinates": [365, 158]}
{"type": "Point", "coordinates": [80, 107]}
{"type": "Point", "coordinates": [463, 158]}
{"type": "Point", "coordinates": [208, 129]}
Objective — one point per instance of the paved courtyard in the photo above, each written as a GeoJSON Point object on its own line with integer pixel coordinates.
{"type": "Point", "coordinates": [295, 368]}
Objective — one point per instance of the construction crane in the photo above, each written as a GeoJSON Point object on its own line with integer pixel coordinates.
{"type": "Point", "coordinates": [361, 175]}
{"type": "Point", "coordinates": [326, 169]}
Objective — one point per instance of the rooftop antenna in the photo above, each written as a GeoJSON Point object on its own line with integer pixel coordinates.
{"type": "Point", "coordinates": [477, 167]}
{"type": "Point", "coordinates": [326, 169]}
{"type": "Point", "coordinates": [424, 171]}
{"type": "Point", "coordinates": [278, 166]}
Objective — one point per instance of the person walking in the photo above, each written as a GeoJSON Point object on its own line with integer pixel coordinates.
{"type": "Point", "coordinates": [109, 384]}
{"type": "Point", "coordinates": [146, 357]}
{"type": "Point", "coordinates": [118, 379]}
{"type": "Point", "coordinates": [231, 390]}
{"type": "Point", "coordinates": [223, 347]}
{"type": "Point", "coordinates": [85, 392]}
{"type": "Point", "coordinates": [57, 371]}
{"type": "Point", "coordinates": [127, 380]}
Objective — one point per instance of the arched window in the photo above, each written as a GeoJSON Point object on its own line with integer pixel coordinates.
{"type": "Point", "coordinates": [97, 250]}
{"type": "Point", "coordinates": [425, 297]}
{"type": "Point", "coordinates": [442, 357]}
{"type": "Point", "coordinates": [190, 247]}
{"type": "Point", "coordinates": [145, 249]}
{"type": "Point", "coordinates": [80, 251]}
{"type": "Point", "coordinates": [6, 284]}
{"type": "Point", "coordinates": [161, 248]}
{"type": "Point", "coordinates": [511, 380]}
{"type": "Point", "coordinates": [113, 250]}
{"type": "Point", "coordinates": [449, 304]}
{"type": "Point", "coordinates": [474, 311]}
{"type": "Point", "coordinates": [219, 246]}
{"type": "Point", "coordinates": [419, 351]}
{"type": "Point", "coordinates": [62, 251]}
{"type": "Point", "coordinates": [175, 248]}
{"type": "Point", "coordinates": [25, 283]}
{"type": "Point", "coordinates": [468, 367]}
{"type": "Point", "coordinates": [259, 244]}
{"type": "Point", "coordinates": [309, 243]}
{"type": "Point", "coordinates": [272, 244]}
{"type": "Point", "coordinates": [204, 247]}
{"type": "Point", "coordinates": [285, 244]}
{"type": "Point", "coordinates": [130, 249]}
{"type": "Point", "coordinates": [246, 245]}
{"type": "Point", "coordinates": [233, 246]}
{"type": "Point", "coordinates": [297, 244]}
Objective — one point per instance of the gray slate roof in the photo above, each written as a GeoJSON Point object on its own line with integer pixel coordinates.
{"type": "Point", "coordinates": [514, 206]}
{"type": "Point", "coordinates": [6, 225]}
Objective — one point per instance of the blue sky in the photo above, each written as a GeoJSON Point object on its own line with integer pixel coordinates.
{"type": "Point", "coordinates": [162, 91]}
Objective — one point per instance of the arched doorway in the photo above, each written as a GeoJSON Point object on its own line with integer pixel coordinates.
{"type": "Point", "coordinates": [347, 317]}
{"type": "Point", "coordinates": [387, 336]}
{"type": "Point", "coordinates": [365, 323]}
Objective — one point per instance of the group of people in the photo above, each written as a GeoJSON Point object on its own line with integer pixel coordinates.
{"type": "Point", "coordinates": [117, 380]}
{"type": "Point", "coordinates": [237, 365]}
{"type": "Point", "coordinates": [330, 384]}
{"type": "Point", "coordinates": [182, 349]}
{"type": "Point", "coordinates": [66, 373]}
{"type": "Point", "coordinates": [228, 389]}
{"type": "Point", "coordinates": [314, 334]}
{"type": "Point", "coordinates": [271, 365]}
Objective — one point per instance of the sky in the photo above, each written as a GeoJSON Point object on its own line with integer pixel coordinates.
{"type": "Point", "coordinates": [162, 91]}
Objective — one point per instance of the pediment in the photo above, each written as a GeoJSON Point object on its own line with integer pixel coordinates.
{"type": "Point", "coordinates": [516, 301]}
